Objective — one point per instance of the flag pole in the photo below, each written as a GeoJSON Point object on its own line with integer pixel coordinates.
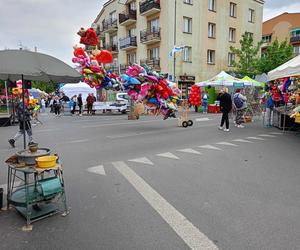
{"type": "Point", "coordinates": [174, 54]}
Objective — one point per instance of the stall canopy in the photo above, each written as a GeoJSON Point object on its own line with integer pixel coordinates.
{"type": "Point", "coordinates": [252, 82]}
{"type": "Point", "coordinates": [290, 68]}
{"type": "Point", "coordinates": [74, 89]}
{"type": "Point", "coordinates": [223, 79]}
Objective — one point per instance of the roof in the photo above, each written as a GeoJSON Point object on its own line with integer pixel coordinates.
{"type": "Point", "coordinates": [283, 14]}
{"type": "Point", "coordinates": [102, 10]}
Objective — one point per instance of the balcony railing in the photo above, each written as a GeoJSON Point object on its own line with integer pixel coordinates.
{"type": "Point", "coordinates": [123, 68]}
{"type": "Point", "coordinates": [128, 42]}
{"type": "Point", "coordinates": [110, 24]}
{"type": "Point", "coordinates": [127, 17]}
{"type": "Point", "coordinates": [149, 7]}
{"type": "Point", "coordinates": [150, 35]}
{"type": "Point", "coordinates": [113, 48]}
{"type": "Point", "coordinates": [295, 39]}
{"type": "Point", "coordinates": [153, 63]}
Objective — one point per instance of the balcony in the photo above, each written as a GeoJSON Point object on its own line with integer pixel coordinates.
{"type": "Point", "coordinates": [295, 39]}
{"type": "Point", "coordinates": [128, 43]}
{"type": "Point", "coordinates": [114, 49]}
{"type": "Point", "coordinates": [100, 32]}
{"type": "Point", "coordinates": [150, 36]}
{"type": "Point", "coordinates": [110, 25]}
{"type": "Point", "coordinates": [149, 7]}
{"type": "Point", "coordinates": [114, 68]}
{"type": "Point", "coordinates": [127, 18]}
{"type": "Point", "coordinates": [153, 63]}
{"type": "Point", "coordinates": [123, 68]}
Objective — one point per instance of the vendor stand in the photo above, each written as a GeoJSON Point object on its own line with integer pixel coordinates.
{"type": "Point", "coordinates": [34, 192]}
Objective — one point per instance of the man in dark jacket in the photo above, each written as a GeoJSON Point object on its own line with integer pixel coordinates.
{"type": "Point", "coordinates": [80, 103]}
{"type": "Point", "coordinates": [225, 106]}
{"type": "Point", "coordinates": [22, 116]}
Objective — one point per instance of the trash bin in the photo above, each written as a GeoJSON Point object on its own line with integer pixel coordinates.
{"type": "Point", "coordinates": [67, 110]}
{"type": "Point", "coordinates": [1, 198]}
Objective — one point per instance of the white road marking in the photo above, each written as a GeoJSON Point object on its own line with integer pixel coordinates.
{"type": "Point", "coordinates": [242, 140]}
{"type": "Point", "coordinates": [265, 135]}
{"type": "Point", "coordinates": [204, 119]}
{"type": "Point", "coordinates": [4, 186]}
{"type": "Point", "coordinates": [191, 235]}
{"type": "Point", "coordinates": [97, 170]}
{"type": "Point", "coordinates": [168, 155]}
{"type": "Point", "coordinates": [45, 130]}
{"type": "Point", "coordinates": [275, 133]}
{"type": "Point", "coordinates": [190, 151]}
{"type": "Point", "coordinates": [123, 123]}
{"type": "Point", "coordinates": [255, 138]}
{"type": "Point", "coordinates": [210, 147]}
{"type": "Point", "coordinates": [77, 141]}
{"type": "Point", "coordinates": [227, 144]}
{"type": "Point", "coordinates": [143, 160]}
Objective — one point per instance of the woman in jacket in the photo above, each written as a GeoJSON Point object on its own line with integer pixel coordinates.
{"type": "Point", "coordinates": [225, 106]}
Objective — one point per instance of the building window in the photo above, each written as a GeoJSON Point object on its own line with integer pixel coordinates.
{"type": "Point", "coordinates": [251, 16]}
{"type": "Point", "coordinates": [131, 32]}
{"type": "Point", "coordinates": [187, 54]}
{"type": "Point", "coordinates": [211, 56]}
{"type": "Point", "coordinates": [212, 5]}
{"type": "Point", "coordinates": [211, 30]}
{"type": "Point", "coordinates": [154, 53]}
{"type": "Point", "coordinates": [231, 58]}
{"type": "Point", "coordinates": [132, 6]}
{"type": "Point", "coordinates": [131, 58]}
{"type": "Point", "coordinates": [187, 25]}
{"type": "Point", "coordinates": [232, 10]}
{"type": "Point", "coordinates": [249, 34]}
{"type": "Point", "coordinates": [232, 35]}
{"type": "Point", "coordinates": [297, 50]}
{"type": "Point", "coordinates": [113, 16]}
{"type": "Point", "coordinates": [153, 25]}
{"type": "Point", "coordinates": [267, 39]}
{"type": "Point", "coordinates": [188, 1]}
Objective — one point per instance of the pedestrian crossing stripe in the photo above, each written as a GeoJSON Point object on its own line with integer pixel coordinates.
{"type": "Point", "coordinates": [143, 160]}
{"type": "Point", "coordinates": [97, 170]}
{"type": "Point", "coordinates": [227, 144]}
{"type": "Point", "coordinates": [255, 138]}
{"type": "Point", "coordinates": [276, 133]}
{"type": "Point", "coordinates": [210, 147]}
{"type": "Point", "coordinates": [265, 135]}
{"type": "Point", "coordinates": [242, 140]}
{"type": "Point", "coordinates": [190, 151]}
{"type": "Point", "coordinates": [168, 155]}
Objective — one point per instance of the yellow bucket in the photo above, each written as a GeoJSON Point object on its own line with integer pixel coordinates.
{"type": "Point", "coordinates": [297, 118]}
{"type": "Point", "coordinates": [46, 161]}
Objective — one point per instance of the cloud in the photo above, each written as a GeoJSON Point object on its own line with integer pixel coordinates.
{"type": "Point", "coordinates": [275, 9]}
{"type": "Point", "coordinates": [51, 25]}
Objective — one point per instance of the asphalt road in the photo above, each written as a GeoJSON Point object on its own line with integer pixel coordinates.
{"type": "Point", "coordinates": [150, 184]}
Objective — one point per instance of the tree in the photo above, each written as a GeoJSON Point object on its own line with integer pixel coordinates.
{"type": "Point", "coordinates": [275, 55]}
{"type": "Point", "coordinates": [47, 87]}
{"type": "Point", "coordinates": [247, 55]}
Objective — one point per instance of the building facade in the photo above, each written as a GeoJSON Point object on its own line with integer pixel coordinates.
{"type": "Point", "coordinates": [283, 27]}
{"type": "Point", "coordinates": [146, 31]}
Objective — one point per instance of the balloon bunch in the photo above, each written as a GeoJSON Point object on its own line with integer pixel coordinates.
{"type": "Point", "coordinates": [144, 85]}
{"type": "Point", "coordinates": [90, 67]}
{"type": "Point", "coordinates": [195, 96]}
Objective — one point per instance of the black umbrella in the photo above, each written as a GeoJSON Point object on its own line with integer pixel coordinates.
{"type": "Point", "coordinates": [34, 66]}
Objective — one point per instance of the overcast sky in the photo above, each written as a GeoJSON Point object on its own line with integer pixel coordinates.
{"type": "Point", "coordinates": [51, 25]}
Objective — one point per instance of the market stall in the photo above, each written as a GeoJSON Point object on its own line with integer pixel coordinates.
{"type": "Point", "coordinates": [71, 89]}
{"type": "Point", "coordinates": [285, 88]}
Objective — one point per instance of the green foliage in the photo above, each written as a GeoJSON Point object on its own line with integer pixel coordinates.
{"type": "Point", "coordinates": [275, 55]}
{"type": "Point", "coordinates": [247, 55]}
{"type": "Point", "coordinates": [47, 87]}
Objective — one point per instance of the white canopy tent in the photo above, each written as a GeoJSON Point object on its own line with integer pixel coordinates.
{"type": "Point", "coordinates": [224, 80]}
{"type": "Point", "coordinates": [71, 89]}
{"type": "Point", "coordinates": [290, 68]}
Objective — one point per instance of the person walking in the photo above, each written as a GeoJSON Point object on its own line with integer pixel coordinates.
{"type": "Point", "coordinates": [269, 106]}
{"type": "Point", "coordinates": [22, 117]}
{"type": "Point", "coordinates": [57, 106]}
{"type": "Point", "coordinates": [80, 103]}
{"type": "Point", "coordinates": [74, 101]}
{"type": "Point", "coordinates": [205, 98]}
{"type": "Point", "coordinates": [43, 104]}
{"type": "Point", "coordinates": [240, 103]}
{"type": "Point", "coordinates": [90, 101]}
{"type": "Point", "coordinates": [225, 106]}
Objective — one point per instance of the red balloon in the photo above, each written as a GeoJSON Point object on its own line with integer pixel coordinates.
{"type": "Point", "coordinates": [104, 56]}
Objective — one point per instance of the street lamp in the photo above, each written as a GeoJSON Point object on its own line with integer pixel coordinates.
{"type": "Point", "coordinates": [175, 27]}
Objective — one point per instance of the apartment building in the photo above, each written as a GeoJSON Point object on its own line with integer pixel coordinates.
{"type": "Point", "coordinates": [283, 27]}
{"type": "Point", "coordinates": [146, 31]}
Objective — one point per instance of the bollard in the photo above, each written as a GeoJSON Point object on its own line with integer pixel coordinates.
{"type": "Point", "coordinates": [1, 198]}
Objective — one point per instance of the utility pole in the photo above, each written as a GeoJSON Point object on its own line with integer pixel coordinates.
{"type": "Point", "coordinates": [175, 27]}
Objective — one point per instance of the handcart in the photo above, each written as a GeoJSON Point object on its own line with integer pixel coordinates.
{"type": "Point", "coordinates": [183, 120]}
